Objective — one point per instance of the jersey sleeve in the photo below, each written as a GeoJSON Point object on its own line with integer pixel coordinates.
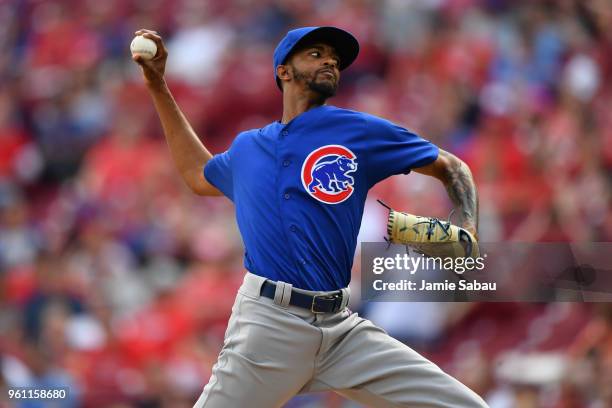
{"type": "Point", "coordinates": [218, 172]}
{"type": "Point", "coordinates": [393, 149]}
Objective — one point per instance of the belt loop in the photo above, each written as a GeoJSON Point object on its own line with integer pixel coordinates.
{"type": "Point", "coordinates": [346, 295]}
{"type": "Point", "coordinates": [282, 294]}
{"type": "Point", "coordinates": [287, 294]}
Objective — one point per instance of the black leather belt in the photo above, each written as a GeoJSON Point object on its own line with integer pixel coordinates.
{"type": "Point", "coordinates": [316, 303]}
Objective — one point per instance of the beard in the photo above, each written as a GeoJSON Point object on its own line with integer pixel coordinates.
{"type": "Point", "coordinates": [326, 89]}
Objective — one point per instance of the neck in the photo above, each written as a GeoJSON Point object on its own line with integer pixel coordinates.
{"type": "Point", "coordinates": [295, 103]}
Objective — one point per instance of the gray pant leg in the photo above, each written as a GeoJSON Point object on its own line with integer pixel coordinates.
{"type": "Point", "coordinates": [267, 357]}
{"type": "Point", "coordinates": [365, 364]}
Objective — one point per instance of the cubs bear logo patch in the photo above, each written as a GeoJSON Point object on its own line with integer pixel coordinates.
{"type": "Point", "coordinates": [325, 173]}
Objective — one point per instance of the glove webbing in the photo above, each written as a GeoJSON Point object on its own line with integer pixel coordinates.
{"type": "Point", "coordinates": [431, 221]}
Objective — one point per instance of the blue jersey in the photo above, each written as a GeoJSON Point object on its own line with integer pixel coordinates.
{"type": "Point", "coordinates": [299, 189]}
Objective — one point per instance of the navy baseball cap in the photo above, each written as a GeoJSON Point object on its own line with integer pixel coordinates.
{"type": "Point", "coordinates": [345, 43]}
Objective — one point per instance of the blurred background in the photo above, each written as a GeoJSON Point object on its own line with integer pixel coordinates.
{"type": "Point", "coordinates": [117, 282]}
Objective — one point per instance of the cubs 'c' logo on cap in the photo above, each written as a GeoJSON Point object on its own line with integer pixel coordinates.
{"type": "Point", "coordinates": [325, 173]}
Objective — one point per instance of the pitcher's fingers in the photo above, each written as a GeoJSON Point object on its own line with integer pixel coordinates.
{"type": "Point", "coordinates": [140, 61]}
{"type": "Point", "coordinates": [162, 51]}
{"type": "Point", "coordinates": [144, 63]}
{"type": "Point", "coordinates": [151, 36]}
{"type": "Point", "coordinates": [144, 30]}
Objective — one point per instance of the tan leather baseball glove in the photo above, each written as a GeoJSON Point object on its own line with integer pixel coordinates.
{"type": "Point", "coordinates": [430, 236]}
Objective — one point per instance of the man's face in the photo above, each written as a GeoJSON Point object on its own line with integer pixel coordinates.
{"type": "Point", "coordinates": [316, 67]}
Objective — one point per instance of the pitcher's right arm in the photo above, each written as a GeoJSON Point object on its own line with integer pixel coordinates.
{"type": "Point", "coordinates": [188, 152]}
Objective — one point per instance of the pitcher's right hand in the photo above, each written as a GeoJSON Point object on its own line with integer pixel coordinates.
{"type": "Point", "coordinates": [153, 69]}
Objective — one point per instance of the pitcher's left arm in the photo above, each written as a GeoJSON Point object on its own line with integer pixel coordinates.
{"type": "Point", "coordinates": [457, 178]}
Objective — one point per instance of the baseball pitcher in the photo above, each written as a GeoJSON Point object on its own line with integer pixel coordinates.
{"type": "Point", "coordinates": [299, 186]}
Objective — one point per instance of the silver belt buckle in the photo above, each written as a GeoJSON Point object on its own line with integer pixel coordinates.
{"type": "Point", "coordinates": [334, 297]}
{"type": "Point", "coordinates": [314, 298]}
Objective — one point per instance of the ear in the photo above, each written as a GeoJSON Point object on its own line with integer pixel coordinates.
{"type": "Point", "coordinates": [283, 72]}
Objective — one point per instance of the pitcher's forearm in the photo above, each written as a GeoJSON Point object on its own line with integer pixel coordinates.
{"type": "Point", "coordinates": [457, 178]}
{"type": "Point", "coordinates": [461, 189]}
{"type": "Point", "coordinates": [188, 152]}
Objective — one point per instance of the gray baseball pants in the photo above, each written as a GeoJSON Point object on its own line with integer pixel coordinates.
{"type": "Point", "coordinates": [273, 351]}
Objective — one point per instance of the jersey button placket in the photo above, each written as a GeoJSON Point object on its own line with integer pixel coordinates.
{"type": "Point", "coordinates": [287, 196]}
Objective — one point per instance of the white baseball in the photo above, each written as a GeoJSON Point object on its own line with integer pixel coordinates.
{"type": "Point", "coordinates": [144, 47]}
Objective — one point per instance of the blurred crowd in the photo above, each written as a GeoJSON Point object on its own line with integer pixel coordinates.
{"type": "Point", "coordinates": [117, 282]}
